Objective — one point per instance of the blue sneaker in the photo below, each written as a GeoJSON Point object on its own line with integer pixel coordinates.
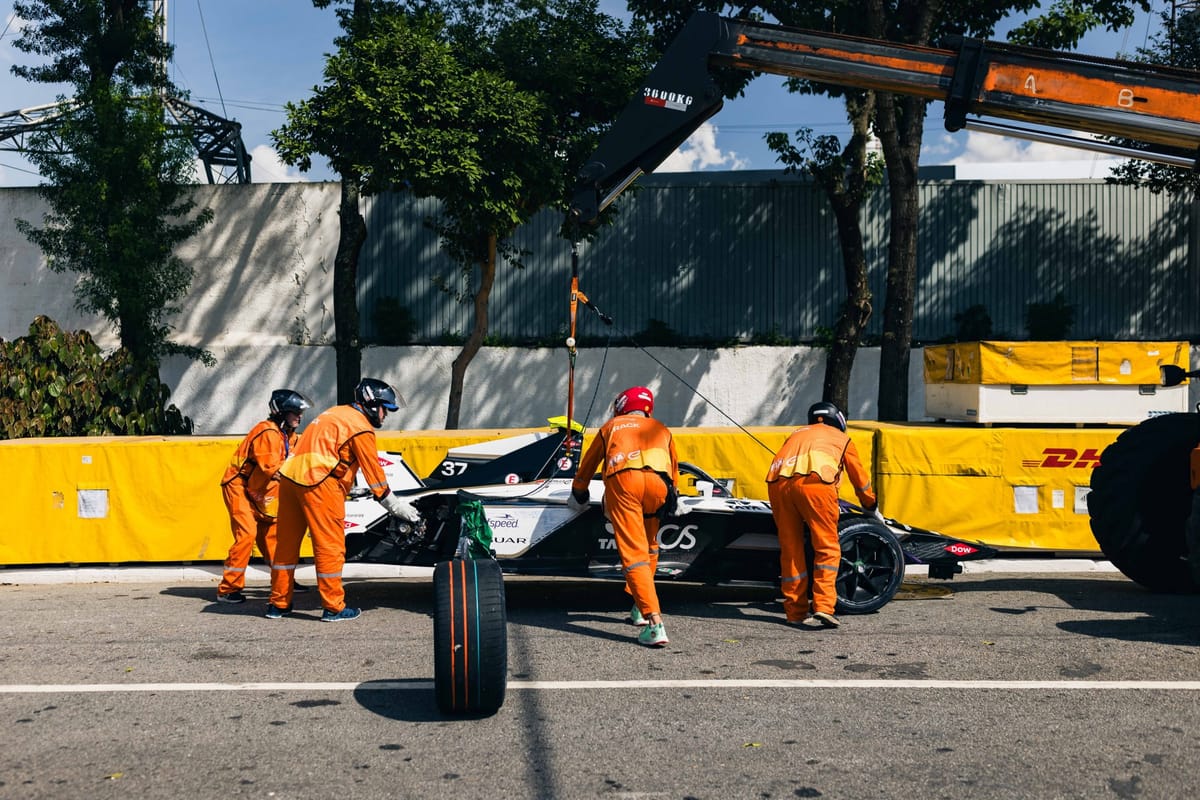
{"type": "Point", "coordinates": [338, 616]}
{"type": "Point", "coordinates": [274, 612]}
{"type": "Point", "coordinates": [653, 635]}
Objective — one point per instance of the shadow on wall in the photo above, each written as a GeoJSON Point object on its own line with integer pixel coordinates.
{"type": "Point", "coordinates": [263, 267]}
{"type": "Point", "coordinates": [1121, 284]}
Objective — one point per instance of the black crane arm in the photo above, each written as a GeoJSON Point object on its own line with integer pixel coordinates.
{"type": "Point", "coordinates": [1158, 107]}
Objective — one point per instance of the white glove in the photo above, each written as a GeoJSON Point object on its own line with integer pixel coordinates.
{"type": "Point", "coordinates": [578, 502]}
{"type": "Point", "coordinates": [401, 509]}
{"type": "Point", "coordinates": [878, 515]}
{"type": "Point", "coordinates": [681, 508]}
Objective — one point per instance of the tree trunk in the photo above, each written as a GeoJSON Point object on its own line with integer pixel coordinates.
{"type": "Point", "coordinates": [856, 310]}
{"type": "Point", "coordinates": [901, 147]}
{"type": "Point", "coordinates": [847, 190]}
{"type": "Point", "coordinates": [346, 345]}
{"type": "Point", "coordinates": [487, 277]}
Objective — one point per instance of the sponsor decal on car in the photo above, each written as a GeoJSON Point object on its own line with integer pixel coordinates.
{"type": "Point", "coordinates": [670, 537]}
{"type": "Point", "coordinates": [960, 549]}
{"type": "Point", "coordinates": [515, 529]}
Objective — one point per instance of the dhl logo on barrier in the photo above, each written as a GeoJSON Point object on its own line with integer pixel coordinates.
{"type": "Point", "coordinates": [1063, 457]}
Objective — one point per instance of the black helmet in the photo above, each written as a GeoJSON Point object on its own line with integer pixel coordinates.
{"type": "Point", "coordinates": [288, 400]}
{"type": "Point", "coordinates": [828, 413]}
{"type": "Point", "coordinates": [372, 393]}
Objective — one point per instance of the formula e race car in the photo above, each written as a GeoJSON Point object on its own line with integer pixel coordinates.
{"type": "Point", "coordinates": [522, 484]}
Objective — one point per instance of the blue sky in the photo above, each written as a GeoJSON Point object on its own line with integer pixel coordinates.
{"type": "Point", "coordinates": [244, 59]}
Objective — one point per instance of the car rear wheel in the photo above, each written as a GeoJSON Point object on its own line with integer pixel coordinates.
{"type": "Point", "coordinates": [1141, 499]}
{"type": "Point", "coordinates": [872, 565]}
{"type": "Point", "coordinates": [470, 636]}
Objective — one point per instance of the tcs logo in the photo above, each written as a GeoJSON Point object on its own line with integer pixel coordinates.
{"type": "Point", "coordinates": [1063, 457]}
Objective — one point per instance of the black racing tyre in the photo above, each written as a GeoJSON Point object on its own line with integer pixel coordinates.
{"type": "Point", "coordinates": [872, 565]}
{"type": "Point", "coordinates": [470, 636]}
{"type": "Point", "coordinates": [1140, 501]}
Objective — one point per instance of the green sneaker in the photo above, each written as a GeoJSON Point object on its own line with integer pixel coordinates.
{"type": "Point", "coordinates": [653, 635]}
{"type": "Point", "coordinates": [636, 618]}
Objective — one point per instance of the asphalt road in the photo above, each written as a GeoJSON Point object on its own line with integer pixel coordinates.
{"type": "Point", "coordinates": [989, 686]}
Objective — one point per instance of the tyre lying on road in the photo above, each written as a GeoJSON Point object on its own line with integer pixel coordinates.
{"type": "Point", "coordinates": [470, 636]}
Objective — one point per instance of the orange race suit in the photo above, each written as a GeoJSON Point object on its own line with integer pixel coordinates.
{"type": "Point", "coordinates": [802, 485]}
{"type": "Point", "coordinates": [316, 480]}
{"type": "Point", "coordinates": [250, 487]}
{"type": "Point", "coordinates": [639, 463]}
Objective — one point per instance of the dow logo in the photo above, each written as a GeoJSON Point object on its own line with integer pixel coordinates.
{"type": "Point", "coordinates": [1065, 458]}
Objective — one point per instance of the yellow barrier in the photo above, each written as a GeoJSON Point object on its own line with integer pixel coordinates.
{"type": "Point", "coordinates": [1015, 487]}
{"type": "Point", "coordinates": [145, 499]}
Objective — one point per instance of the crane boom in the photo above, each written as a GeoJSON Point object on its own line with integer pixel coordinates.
{"type": "Point", "coordinates": [1158, 107]}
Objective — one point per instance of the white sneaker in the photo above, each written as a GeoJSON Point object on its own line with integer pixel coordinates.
{"type": "Point", "coordinates": [826, 620]}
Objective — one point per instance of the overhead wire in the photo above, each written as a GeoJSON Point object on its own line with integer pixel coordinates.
{"type": "Point", "coordinates": [8, 25]}
{"type": "Point", "coordinates": [212, 62]}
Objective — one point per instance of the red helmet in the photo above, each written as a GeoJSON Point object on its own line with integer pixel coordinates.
{"type": "Point", "coordinates": [639, 398]}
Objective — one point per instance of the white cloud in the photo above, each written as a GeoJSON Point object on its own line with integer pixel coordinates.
{"type": "Point", "coordinates": [265, 167]}
{"type": "Point", "coordinates": [939, 150]}
{"type": "Point", "coordinates": [986, 156]}
{"type": "Point", "coordinates": [701, 152]}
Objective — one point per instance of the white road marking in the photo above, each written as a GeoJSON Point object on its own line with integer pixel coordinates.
{"type": "Point", "coordinates": [402, 686]}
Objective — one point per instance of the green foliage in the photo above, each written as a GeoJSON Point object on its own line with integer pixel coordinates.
{"type": "Point", "coordinates": [1066, 21]}
{"type": "Point", "coordinates": [973, 324]}
{"type": "Point", "coordinates": [394, 323]}
{"type": "Point", "coordinates": [771, 338]}
{"type": "Point", "coordinates": [824, 338]}
{"type": "Point", "coordinates": [489, 106]}
{"type": "Point", "coordinates": [658, 334]}
{"type": "Point", "coordinates": [60, 384]}
{"type": "Point", "coordinates": [116, 175]}
{"type": "Point", "coordinates": [1049, 322]}
{"type": "Point", "coordinates": [847, 171]}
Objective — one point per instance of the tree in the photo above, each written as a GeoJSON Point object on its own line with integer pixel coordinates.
{"type": "Point", "coordinates": [899, 120]}
{"type": "Point", "coordinates": [1178, 45]}
{"type": "Point", "coordinates": [116, 175]}
{"type": "Point", "coordinates": [488, 106]}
